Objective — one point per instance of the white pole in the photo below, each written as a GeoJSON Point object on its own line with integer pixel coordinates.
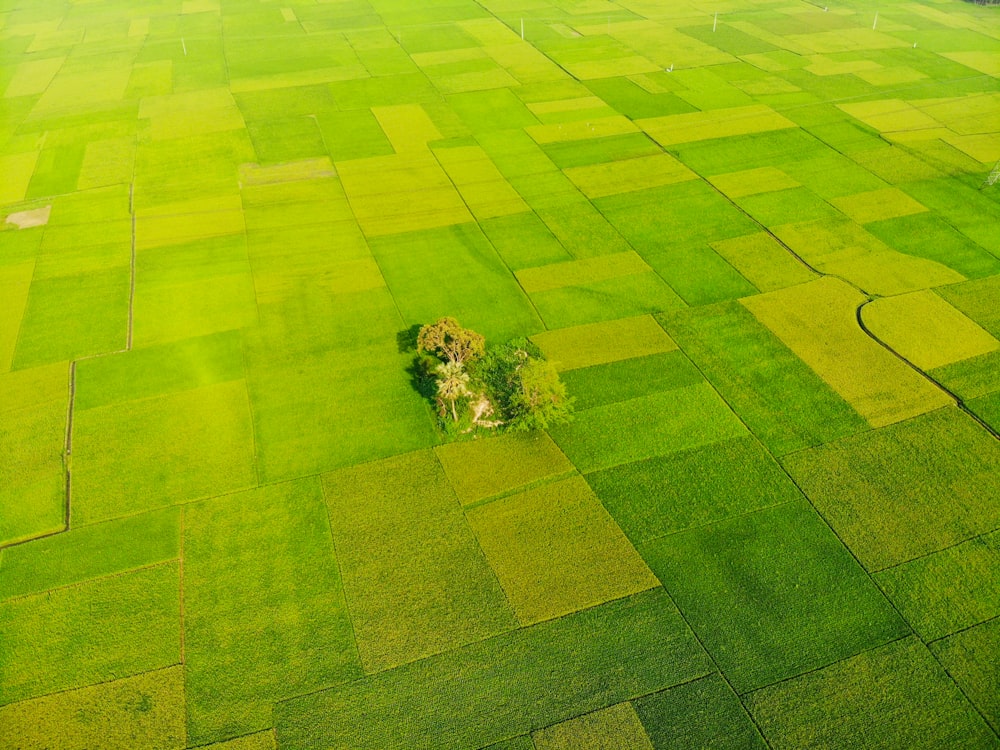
{"type": "Point", "coordinates": [184, 47]}
{"type": "Point", "coordinates": [715, 22]}
{"type": "Point", "coordinates": [876, 21]}
{"type": "Point", "coordinates": [522, 29]}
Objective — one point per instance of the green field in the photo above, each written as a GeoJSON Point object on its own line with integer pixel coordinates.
{"type": "Point", "coordinates": [759, 244]}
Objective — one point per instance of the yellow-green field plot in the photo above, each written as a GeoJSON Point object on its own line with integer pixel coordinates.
{"type": "Point", "coordinates": [630, 174]}
{"type": "Point", "coordinates": [601, 343]}
{"type": "Point", "coordinates": [817, 321]}
{"type": "Point", "coordinates": [877, 205]}
{"type": "Point", "coordinates": [556, 550]}
{"type": "Point", "coordinates": [444, 596]}
{"type": "Point", "coordinates": [484, 190]}
{"type": "Point", "coordinates": [618, 726]}
{"type": "Point", "coordinates": [702, 126]}
{"type": "Point", "coordinates": [753, 181]}
{"type": "Point", "coordinates": [924, 329]}
{"type": "Point", "coordinates": [763, 261]}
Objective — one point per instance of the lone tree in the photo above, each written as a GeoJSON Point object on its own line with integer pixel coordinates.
{"type": "Point", "coordinates": [449, 340]}
{"type": "Point", "coordinates": [540, 399]}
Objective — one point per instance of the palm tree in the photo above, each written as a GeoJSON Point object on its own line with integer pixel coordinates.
{"type": "Point", "coordinates": [452, 384]}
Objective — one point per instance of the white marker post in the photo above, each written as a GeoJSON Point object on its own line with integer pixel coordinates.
{"type": "Point", "coordinates": [876, 21]}
{"type": "Point", "coordinates": [715, 22]}
{"type": "Point", "coordinates": [184, 47]}
{"type": "Point", "coordinates": [522, 29]}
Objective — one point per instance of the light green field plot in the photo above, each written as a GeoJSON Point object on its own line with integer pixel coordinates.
{"type": "Point", "coordinates": [73, 316]}
{"type": "Point", "coordinates": [491, 110]}
{"type": "Point", "coordinates": [146, 709]}
{"type": "Point", "coordinates": [649, 426]}
{"type": "Point", "coordinates": [784, 402]}
{"type": "Point", "coordinates": [947, 591]}
{"type": "Point", "coordinates": [203, 446]}
{"type": "Point", "coordinates": [701, 126]}
{"type": "Point", "coordinates": [775, 148]}
{"type": "Point", "coordinates": [987, 408]}
{"type": "Point", "coordinates": [599, 127]}
{"type": "Point", "coordinates": [90, 552]}
{"type": "Point", "coordinates": [264, 613]}
{"type": "Point", "coordinates": [481, 469]}
{"type": "Point", "coordinates": [571, 110]}
{"type": "Point", "coordinates": [871, 695]}
{"type": "Point", "coordinates": [580, 272]}
{"type": "Point", "coordinates": [897, 493]}
{"type": "Point", "coordinates": [601, 150]}
{"type": "Point", "coordinates": [286, 139]}
{"type": "Point", "coordinates": [505, 686]}
{"type": "Point", "coordinates": [555, 550]}
{"type": "Point", "coordinates": [15, 283]}
{"type": "Point", "coordinates": [445, 596]}
{"type": "Point", "coordinates": [581, 229]}
{"type": "Point", "coordinates": [929, 236]}
{"type": "Point", "coordinates": [762, 261]}
{"type": "Point", "coordinates": [523, 241]}
{"type": "Point", "coordinates": [786, 556]}
{"type": "Point", "coordinates": [878, 205]}
{"type": "Point", "coordinates": [632, 100]}
{"type": "Point", "coordinates": [480, 293]}
{"type": "Point", "coordinates": [355, 134]}
{"type": "Point", "coordinates": [926, 330]}
{"type": "Point", "coordinates": [32, 438]}
{"type": "Point", "coordinates": [753, 181]}
{"type": "Point", "coordinates": [817, 322]}
{"type": "Point", "coordinates": [616, 177]}
{"type": "Point", "coordinates": [786, 206]}
{"type": "Point", "coordinates": [193, 289]}
{"type": "Point", "coordinates": [702, 713]}
{"type": "Point", "coordinates": [94, 632]}
{"type": "Point", "coordinates": [601, 343]}
{"type": "Point", "coordinates": [626, 379]}
{"type": "Point", "coordinates": [971, 378]}
{"type": "Point", "coordinates": [617, 725]}
{"type": "Point", "coordinates": [969, 657]}
{"type": "Point", "coordinates": [965, 208]}
{"type": "Point", "coordinates": [666, 494]}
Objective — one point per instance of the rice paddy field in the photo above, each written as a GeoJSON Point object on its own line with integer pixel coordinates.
{"type": "Point", "coordinates": [756, 237]}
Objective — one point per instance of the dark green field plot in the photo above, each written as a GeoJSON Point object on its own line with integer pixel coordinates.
{"type": "Point", "coordinates": [905, 490]}
{"type": "Point", "coordinates": [505, 686]}
{"type": "Point", "coordinates": [969, 656]}
{"type": "Point", "coordinates": [264, 612]}
{"type": "Point", "coordinates": [772, 594]}
{"type": "Point", "coordinates": [652, 425]}
{"type": "Point", "coordinates": [872, 695]}
{"type": "Point", "coordinates": [665, 494]}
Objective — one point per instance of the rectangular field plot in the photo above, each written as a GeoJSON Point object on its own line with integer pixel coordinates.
{"type": "Point", "coordinates": [906, 490]}
{"type": "Point", "coordinates": [480, 291]}
{"type": "Point", "coordinates": [653, 425]}
{"type": "Point", "coordinates": [767, 592]}
{"type": "Point", "coordinates": [817, 322]}
{"type": "Point", "coordinates": [93, 632]}
{"type": "Point", "coordinates": [970, 657]}
{"type": "Point", "coordinates": [15, 283]}
{"type": "Point", "coordinates": [89, 552]}
{"type": "Point", "coordinates": [977, 299]}
{"type": "Point", "coordinates": [704, 713]}
{"type": "Point", "coordinates": [626, 379]}
{"type": "Point", "coordinates": [599, 180]}
{"type": "Point", "coordinates": [870, 698]}
{"type": "Point", "coordinates": [763, 261]}
{"type": "Point", "coordinates": [505, 686]}
{"type": "Point", "coordinates": [523, 241]}
{"type": "Point", "coordinates": [483, 469]}
{"type": "Point", "coordinates": [719, 123]}
{"type": "Point", "coordinates": [146, 710]}
{"type": "Point", "coordinates": [415, 579]}
{"type": "Point", "coordinates": [950, 590]}
{"type": "Point", "coordinates": [556, 550]}
{"type": "Point", "coordinates": [617, 724]}
{"type": "Point", "coordinates": [601, 343]}
{"type": "Point", "coordinates": [264, 612]}
{"type": "Point", "coordinates": [140, 455]}
{"type": "Point", "coordinates": [929, 236]}
{"type": "Point", "coordinates": [926, 330]}
{"type": "Point", "coordinates": [32, 438]}
{"type": "Point", "coordinates": [665, 494]}
{"type": "Point", "coordinates": [74, 316]}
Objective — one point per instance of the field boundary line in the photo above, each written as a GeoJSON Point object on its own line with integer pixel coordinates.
{"type": "Point", "coordinates": [92, 685]}
{"type": "Point", "coordinates": [85, 581]}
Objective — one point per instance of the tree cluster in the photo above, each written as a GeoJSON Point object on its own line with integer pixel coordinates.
{"type": "Point", "coordinates": [475, 387]}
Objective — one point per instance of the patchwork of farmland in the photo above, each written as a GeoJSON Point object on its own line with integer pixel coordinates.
{"type": "Point", "coordinates": [757, 239]}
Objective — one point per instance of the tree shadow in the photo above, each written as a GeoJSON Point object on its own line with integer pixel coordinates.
{"type": "Point", "coordinates": [406, 340]}
{"type": "Point", "coordinates": [421, 367]}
